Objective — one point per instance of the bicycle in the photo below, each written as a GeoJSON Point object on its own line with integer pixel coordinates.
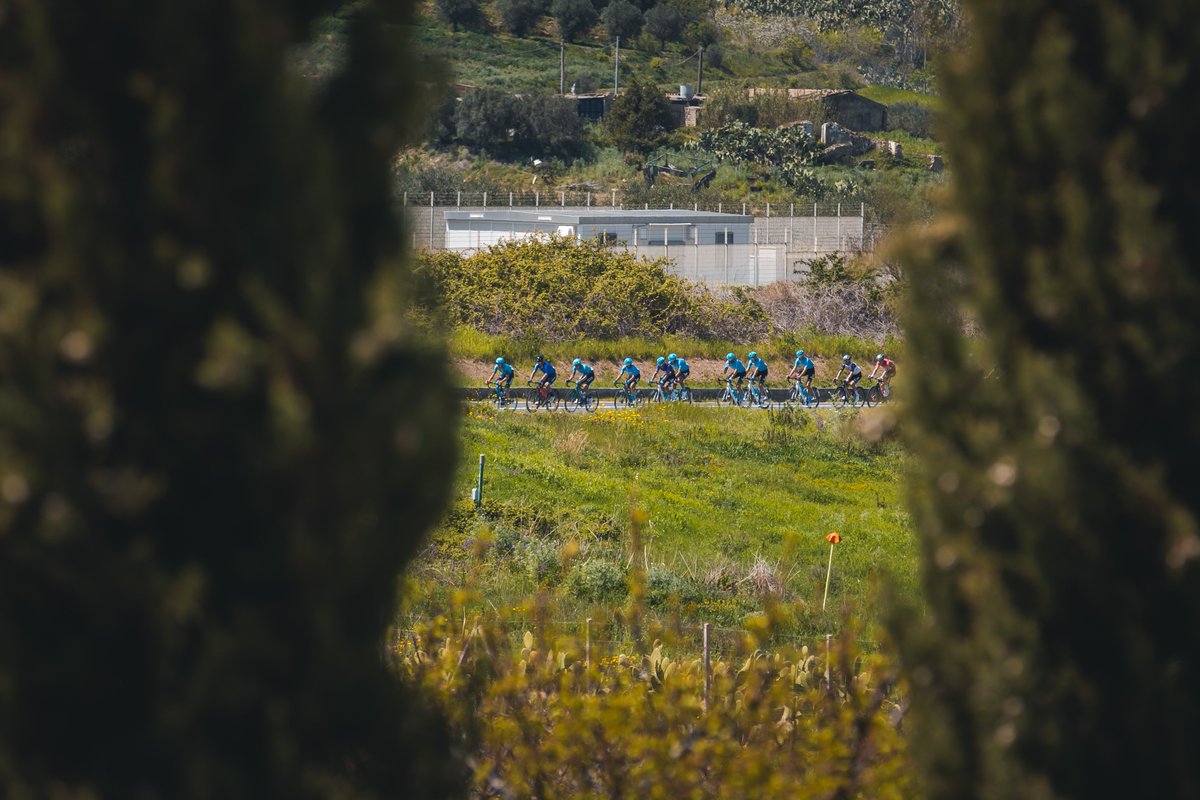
{"type": "Point", "coordinates": [662, 394]}
{"type": "Point", "coordinates": [756, 394]}
{"type": "Point", "coordinates": [543, 397]}
{"type": "Point", "coordinates": [627, 398]}
{"type": "Point", "coordinates": [876, 394]}
{"type": "Point", "coordinates": [731, 396]}
{"type": "Point", "coordinates": [810, 397]}
{"type": "Point", "coordinates": [842, 396]}
{"type": "Point", "coordinates": [499, 395]}
{"type": "Point", "coordinates": [580, 399]}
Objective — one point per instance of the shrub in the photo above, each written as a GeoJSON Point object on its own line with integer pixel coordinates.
{"type": "Point", "coordinates": [665, 23]}
{"type": "Point", "coordinates": [639, 117]}
{"type": "Point", "coordinates": [912, 118]}
{"type": "Point", "coordinates": [573, 17]}
{"type": "Point", "coordinates": [597, 581]}
{"type": "Point", "coordinates": [623, 19]}
{"type": "Point", "coordinates": [518, 17]}
{"type": "Point", "coordinates": [464, 13]}
{"type": "Point", "coordinates": [542, 561]}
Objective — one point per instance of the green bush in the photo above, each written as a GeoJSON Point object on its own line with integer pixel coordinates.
{"type": "Point", "coordinates": [560, 289]}
{"type": "Point", "coordinates": [597, 581]}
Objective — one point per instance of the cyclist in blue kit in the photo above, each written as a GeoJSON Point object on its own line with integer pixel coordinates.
{"type": "Point", "coordinates": [502, 374]}
{"type": "Point", "coordinates": [682, 370]}
{"type": "Point", "coordinates": [803, 370]}
{"type": "Point", "coordinates": [630, 369]}
{"type": "Point", "coordinates": [734, 369]}
{"type": "Point", "coordinates": [584, 371]}
{"type": "Point", "coordinates": [549, 373]}
{"type": "Point", "coordinates": [667, 371]}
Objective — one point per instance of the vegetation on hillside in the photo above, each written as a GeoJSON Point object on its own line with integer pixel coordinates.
{"type": "Point", "coordinates": [561, 290]}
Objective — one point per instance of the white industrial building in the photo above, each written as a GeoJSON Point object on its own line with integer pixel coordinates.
{"type": "Point", "coordinates": [707, 246]}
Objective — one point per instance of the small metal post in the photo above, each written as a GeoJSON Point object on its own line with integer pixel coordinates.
{"type": "Point", "coordinates": [485, 199]}
{"type": "Point", "coordinates": [458, 201]}
{"type": "Point", "coordinates": [707, 668]}
{"type": "Point", "coordinates": [406, 198]}
{"type": "Point", "coordinates": [510, 199]}
{"type": "Point", "coordinates": [479, 486]}
{"type": "Point", "coordinates": [589, 199]}
{"type": "Point", "coordinates": [828, 657]}
{"type": "Point", "coordinates": [614, 198]}
{"type": "Point", "coordinates": [719, 204]}
{"type": "Point", "coordinates": [839, 228]}
{"type": "Point", "coordinates": [431, 220]}
{"type": "Point", "coordinates": [537, 199]}
{"type": "Point", "coordinates": [587, 637]}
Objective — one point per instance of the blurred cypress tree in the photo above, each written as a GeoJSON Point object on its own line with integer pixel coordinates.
{"type": "Point", "coordinates": [217, 446]}
{"type": "Point", "coordinates": [1057, 505]}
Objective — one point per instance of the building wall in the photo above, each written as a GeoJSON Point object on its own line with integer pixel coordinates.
{"type": "Point", "coordinates": [856, 113]}
{"type": "Point", "coordinates": [774, 248]}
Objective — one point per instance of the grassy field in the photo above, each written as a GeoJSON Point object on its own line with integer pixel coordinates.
{"type": "Point", "coordinates": [735, 507]}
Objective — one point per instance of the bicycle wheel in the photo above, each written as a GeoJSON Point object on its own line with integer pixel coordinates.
{"type": "Point", "coordinates": [839, 397]}
{"type": "Point", "coordinates": [813, 399]}
{"type": "Point", "coordinates": [590, 402]}
{"type": "Point", "coordinates": [572, 402]}
{"type": "Point", "coordinates": [553, 401]}
{"type": "Point", "coordinates": [531, 401]}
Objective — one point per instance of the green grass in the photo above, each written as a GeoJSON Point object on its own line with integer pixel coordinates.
{"type": "Point", "coordinates": [721, 489]}
{"type": "Point", "coordinates": [891, 94]}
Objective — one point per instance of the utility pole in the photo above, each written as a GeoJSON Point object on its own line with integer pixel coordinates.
{"type": "Point", "coordinates": [617, 67]}
{"type": "Point", "coordinates": [562, 66]}
{"type": "Point", "coordinates": [700, 73]}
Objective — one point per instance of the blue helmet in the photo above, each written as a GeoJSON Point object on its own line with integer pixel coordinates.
{"type": "Point", "coordinates": [730, 357]}
{"type": "Point", "coordinates": [500, 360]}
{"type": "Point", "coordinates": [672, 357]}
{"type": "Point", "coordinates": [660, 361]}
{"type": "Point", "coordinates": [799, 354]}
{"type": "Point", "coordinates": [629, 362]}
{"type": "Point", "coordinates": [752, 354]}
{"type": "Point", "coordinates": [577, 362]}
{"type": "Point", "coordinates": [540, 358]}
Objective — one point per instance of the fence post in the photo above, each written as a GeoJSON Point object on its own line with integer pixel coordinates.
{"type": "Point", "coordinates": [510, 199]}
{"type": "Point", "coordinates": [743, 209]}
{"type": "Point", "coordinates": [589, 199]}
{"type": "Point", "coordinates": [814, 229]}
{"type": "Point", "coordinates": [431, 220]}
{"type": "Point", "coordinates": [479, 486]}
{"type": "Point", "coordinates": [406, 198]}
{"type": "Point", "coordinates": [828, 674]}
{"type": "Point", "coordinates": [839, 228]}
{"type": "Point", "coordinates": [862, 225]}
{"type": "Point", "coordinates": [719, 204]}
{"type": "Point", "coordinates": [707, 668]}
{"type": "Point", "coordinates": [485, 199]}
{"type": "Point", "coordinates": [458, 201]}
{"type": "Point", "coordinates": [537, 199]}
{"type": "Point", "coordinates": [614, 198]}
{"type": "Point", "coordinates": [562, 197]}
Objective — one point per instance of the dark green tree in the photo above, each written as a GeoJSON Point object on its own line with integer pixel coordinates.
{"type": "Point", "coordinates": [217, 446]}
{"type": "Point", "coordinates": [639, 117]}
{"type": "Point", "coordinates": [484, 118]}
{"type": "Point", "coordinates": [573, 18]}
{"type": "Point", "coordinates": [460, 13]}
{"type": "Point", "coordinates": [1059, 656]}
{"type": "Point", "coordinates": [518, 17]}
{"type": "Point", "coordinates": [623, 19]}
{"type": "Point", "coordinates": [664, 23]}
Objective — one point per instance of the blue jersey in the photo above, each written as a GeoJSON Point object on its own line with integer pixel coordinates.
{"type": "Point", "coordinates": [505, 370]}
{"type": "Point", "coordinates": [546, 368]}
{"type": "Point", "coordinates": [631, 370]}
{"type": "Point", "coordinates": [682, 365]}
{"type": "Point", "coordinates": [584, 369]}
{"type": "Point", "coordinates": [758, 364]}
{"type": "Point", "coordinates": [805, 363]}
{"type": "Point", "coordinates": [735, 365]}
{"type": "Point", "coordinates": [667, 370]}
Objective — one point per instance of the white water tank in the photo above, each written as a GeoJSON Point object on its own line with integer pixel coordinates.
{"type": "Point", "coordinates": [686, 91]}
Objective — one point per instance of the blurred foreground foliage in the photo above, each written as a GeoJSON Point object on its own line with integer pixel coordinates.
{"type": "Point", "coordinates": [1059, 655]}
{"type": "Point", "coordinates": [216, 454]}
{"type": "Point", "coordinates": [537, 719]}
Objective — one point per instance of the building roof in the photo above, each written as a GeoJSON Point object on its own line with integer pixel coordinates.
{"type": "Point", "coordinates": [601, 216]}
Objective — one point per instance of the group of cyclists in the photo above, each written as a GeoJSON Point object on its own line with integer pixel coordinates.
{"type": "Point", "coordinates": [671, 373]}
